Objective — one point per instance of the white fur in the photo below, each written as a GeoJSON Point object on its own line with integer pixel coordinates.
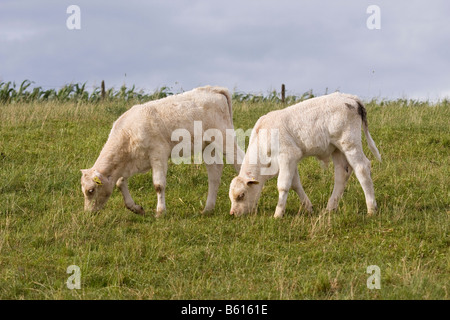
{"type": "Point", "coordinates": [321, 127]}
{"type": "Point", "coordinates": [140, 140]}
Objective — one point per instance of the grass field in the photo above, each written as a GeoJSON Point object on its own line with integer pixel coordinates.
{"type": "Point", "coordinates": [187, 255]}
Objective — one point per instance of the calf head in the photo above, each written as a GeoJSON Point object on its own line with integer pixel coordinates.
{"type": "Point", "coordinates": [96, 189]}
{"type": "Point", "coordinates": [244, 194]}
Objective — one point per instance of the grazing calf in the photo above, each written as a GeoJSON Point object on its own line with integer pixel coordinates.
{"type": "Point", "coordinates": [141, 139]}
{"type": "Point", "coordinates": [322, 127]}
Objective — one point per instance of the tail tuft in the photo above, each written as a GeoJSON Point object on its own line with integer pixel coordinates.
{"type": "Point", "coordinates": [363, 113]}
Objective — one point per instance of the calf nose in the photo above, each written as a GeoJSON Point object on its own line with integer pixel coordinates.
{"type": "Point", "coordinates": [231, 212]}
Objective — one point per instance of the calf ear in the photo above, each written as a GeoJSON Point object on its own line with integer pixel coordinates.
{"type": "Point", "coordinates": [98, 178]}
{"type": "Point", "coordinates": [252, 181]}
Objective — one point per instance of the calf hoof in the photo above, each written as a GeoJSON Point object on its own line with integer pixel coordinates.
{"type": "Point", "coordinates": [309, 210]}
{"type": "Point", "coordinates": [159, 214]}
{"type": "Point", "coordinates": [332, 205]}
{"type": "Point", "coordinates": [207, 210]}
{"type": "Point", "coordinates": [331, 208]}
{"type": "Point", "coordinates": [279, 212]}
{"type": "Point", "coordinates": [138, 210]}
{"type": "Point", "coordinates": [372, 210]}
{"type": "Point", "coordinates": [278, 215]}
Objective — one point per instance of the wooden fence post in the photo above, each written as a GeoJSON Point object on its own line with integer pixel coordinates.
{"type": "Point", "coordinates": [283, 93]}
{"type": "Point", "coordinates": [103, 90]}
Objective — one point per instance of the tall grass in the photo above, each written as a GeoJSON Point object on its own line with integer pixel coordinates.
{"type": "Point", "coordinates": [77, 92]}
{"type": "Point", "coordinates": [272, 97]}
{"type": "Point", "coordinates": [10, 93]}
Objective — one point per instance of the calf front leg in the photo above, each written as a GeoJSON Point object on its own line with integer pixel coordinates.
{"type": "Point", "coordinates": [122, 184]}
{"type": "Point", "coordinates": [284, 182]}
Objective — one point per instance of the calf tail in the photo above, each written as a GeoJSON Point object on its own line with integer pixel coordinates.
{"type": "Point", "coordinates": [363, 113]}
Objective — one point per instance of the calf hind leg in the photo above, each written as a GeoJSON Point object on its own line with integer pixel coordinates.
{"type": "Point", "coordinates": [361, 166]}
{"type": "Point", "coordinates": [342, 171]}
{"type": "Point", "coordinates": [159, 172]}
{"type": "Point", "coordinates": [297, 187]}
{"type": "Point", "coordinates": [214, 176]}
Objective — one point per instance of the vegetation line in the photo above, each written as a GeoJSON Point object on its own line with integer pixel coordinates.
{"type": "Point", "coordinates": [10, 93]}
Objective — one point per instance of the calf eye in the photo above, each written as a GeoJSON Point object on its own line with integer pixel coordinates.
{"type": "Point", "coordinates": [241, 196]}
{"type": "Point", "coordinates": [91, 191]}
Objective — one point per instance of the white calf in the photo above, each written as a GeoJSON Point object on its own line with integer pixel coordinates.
{"type": "Point", "coordinates": [140, 140]}
{"type": "Point", "coordinates": [322, 127]}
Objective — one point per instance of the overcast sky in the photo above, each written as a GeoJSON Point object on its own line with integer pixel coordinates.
{"type": "Point", "coordinates": [245, 45]}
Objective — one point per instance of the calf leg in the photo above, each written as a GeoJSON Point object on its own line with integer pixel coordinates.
{"type": "Point", "coordinates": [159, 172]}
{"type": "Point", "coordinates": [122, 184]}
{"type": "Point", "coordinates": [297, 187]}
{"type": "Point", "coordinates": [342, 172]}
{"type": "Point", "coordinates": [239, 155]}
{"type": "Point", "coordinates": [284, 182]}
{"type": "Point", "coordinates": [361, 166]}
{"type": "Point", "coordinates": [234, 154]}
{"type": "Point", "coordinates": [214, 175]}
